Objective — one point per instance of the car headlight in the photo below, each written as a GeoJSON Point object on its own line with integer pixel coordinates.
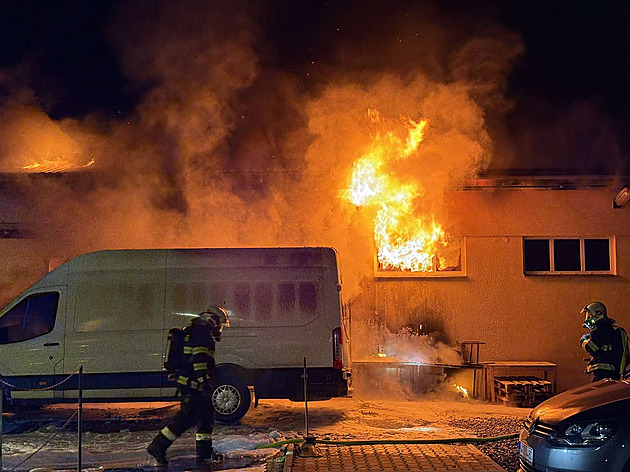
{"type": "Point", "coordinates": [585, 433]}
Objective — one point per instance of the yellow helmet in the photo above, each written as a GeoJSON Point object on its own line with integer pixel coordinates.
{"type": "Point", "coordinates": [594, 312]}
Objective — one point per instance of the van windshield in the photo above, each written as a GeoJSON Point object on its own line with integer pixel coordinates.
{"type": "Point", "coordinates": [32, 317]}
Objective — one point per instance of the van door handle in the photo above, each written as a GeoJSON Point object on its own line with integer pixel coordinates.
{"type": "Point", "coordinates": [51, 344]}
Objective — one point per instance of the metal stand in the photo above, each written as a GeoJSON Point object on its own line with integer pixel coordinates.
{"type": "Point", "coordinates": [305, 398]}
{"type": "Point", "coordinates": [79, 420]}
{"type": "Point", "coordinates": [307, 449]}
{"type": "Point", "coordinates": [1, 407]}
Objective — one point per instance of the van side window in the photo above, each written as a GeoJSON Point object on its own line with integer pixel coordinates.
{"type": "Point", "coordinates": [286, 298]}
{"type": "Point", "coordinates": [242, 299]}
{"type": "Point", "coordinates": [308, 297]}
{"type": "Point", "coordinates": [32, 317]}
{"type": "Point", "coordinates": [274, 303]}
{"type": "Point", "coordinates": [264, 301]}
{"type": "Point", "coordinates": [218, 294]}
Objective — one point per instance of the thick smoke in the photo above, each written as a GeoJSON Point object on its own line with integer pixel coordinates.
{"type": "Point", "coordinates": [224, 149]}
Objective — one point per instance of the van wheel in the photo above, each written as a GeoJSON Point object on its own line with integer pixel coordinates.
{"type": "Point", "coordinates": [231, 399]}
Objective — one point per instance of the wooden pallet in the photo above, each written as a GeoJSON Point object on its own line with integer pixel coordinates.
{"type": "Point", "coordinates": [522, 391]}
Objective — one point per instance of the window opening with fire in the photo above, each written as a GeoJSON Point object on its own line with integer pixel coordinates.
{"type": "Point", "coordinates": [409, 240]}
{"type": "Point", "coordinates": [543, 256]}
{"type": "Point", "coordinates": [444, 260]}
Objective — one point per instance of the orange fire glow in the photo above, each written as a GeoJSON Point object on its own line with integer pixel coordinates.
{"type": "Point", "coordinates": [461, 390]}
{"type": "Point", "coordinates": [403, 239]}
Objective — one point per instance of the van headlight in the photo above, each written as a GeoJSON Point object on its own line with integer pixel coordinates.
{"type": "Point", "coordinates": [585, 433]}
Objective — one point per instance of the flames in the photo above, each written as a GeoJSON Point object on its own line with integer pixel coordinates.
{"type": "Point", "coordinates": [404, 240]}
{"type": "Point", "coordinates": [56, 164]}
{"type": "Point", "coordinates": [461, 390]}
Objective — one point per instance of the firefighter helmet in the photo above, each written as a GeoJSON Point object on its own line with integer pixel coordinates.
{"type": "Point", "coordinates": [216, 318]}
{"type": "Point", "coordinates": [594, 312]}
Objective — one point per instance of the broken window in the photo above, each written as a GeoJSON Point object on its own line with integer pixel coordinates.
{"type": "Point", "coordinates": [568, 255]}
{"type": "Point", "coordinates": [446, 259]}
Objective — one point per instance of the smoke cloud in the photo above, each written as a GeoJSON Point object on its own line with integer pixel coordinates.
{"type": "Point", "coordinates": [227, 147]}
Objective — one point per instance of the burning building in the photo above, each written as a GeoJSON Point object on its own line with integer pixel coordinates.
{"type": "Point", "coordinates": [384, 156]}
{"type": "Point", "coordinates": [534, 250]}
{"type": "Point", "coordinates": [530, 251]}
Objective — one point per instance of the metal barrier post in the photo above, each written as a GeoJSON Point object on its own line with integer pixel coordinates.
{"type": "Point", "coordinates": [305, 398]}
{"type": "Point", "coordinates": [79, 419]}
{"type": "Point", "coordinates": [1, 408]}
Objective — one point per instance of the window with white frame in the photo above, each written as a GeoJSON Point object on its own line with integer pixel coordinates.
{"type": "Point", "coordinates": [565, 255]}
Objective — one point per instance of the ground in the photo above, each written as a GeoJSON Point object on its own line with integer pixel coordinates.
{"type": "Point", "coordinates": [117, 434]}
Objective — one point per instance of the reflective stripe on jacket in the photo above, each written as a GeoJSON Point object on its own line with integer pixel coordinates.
{"type": "Point", "coordinates": [622, 339]}
{"type": "Point", "coordinates": [600, 366]}
{"type": "Point", "coordinates": [607, 346]}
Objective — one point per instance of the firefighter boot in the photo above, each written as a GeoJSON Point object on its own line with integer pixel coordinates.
{"type": "Point", "coordinates": [206, 454]}
{"type": "Point", "coordinates": [158, 448]}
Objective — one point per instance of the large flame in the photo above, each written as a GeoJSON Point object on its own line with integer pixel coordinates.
{"type": "Point", "coordinates": [403, 239]}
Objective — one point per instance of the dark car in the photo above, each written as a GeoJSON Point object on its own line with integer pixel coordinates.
{"type": "Point", "coordinates": [583, 429]}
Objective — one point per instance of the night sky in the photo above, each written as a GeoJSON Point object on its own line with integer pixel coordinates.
{"type": "Point", "coordinates": [564, 101]}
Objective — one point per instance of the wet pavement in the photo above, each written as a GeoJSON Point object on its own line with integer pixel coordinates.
{"type": "Point", "coordinates": [115, 435]}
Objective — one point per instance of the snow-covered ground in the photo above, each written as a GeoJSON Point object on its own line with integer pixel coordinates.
{"type": "Point", "coordinates": [116, 435]}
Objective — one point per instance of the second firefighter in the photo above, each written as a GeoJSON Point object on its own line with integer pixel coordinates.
{"type": "Point", "coordinates": [605, 343]}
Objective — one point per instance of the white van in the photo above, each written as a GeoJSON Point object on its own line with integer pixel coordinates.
{"type": "Point", "coordinates": [110, 311]}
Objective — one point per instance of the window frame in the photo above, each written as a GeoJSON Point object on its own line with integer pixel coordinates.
{"type": "Point", "coordinates": [394, 274]}
{"type": "Point", "coordinates": [612, 256]}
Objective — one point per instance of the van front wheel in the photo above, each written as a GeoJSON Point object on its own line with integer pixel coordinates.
{"type": "Point", "coordinates": [231, 399]}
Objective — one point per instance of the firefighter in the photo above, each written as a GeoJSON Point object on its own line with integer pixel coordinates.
{"type": "Point", "coordinates": [194, 382]}
{"type": "Point", "coordinates": [605, 343]}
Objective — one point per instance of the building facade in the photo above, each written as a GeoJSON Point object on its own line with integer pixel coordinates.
{"type": "Point", "coordinates": [534, 251]}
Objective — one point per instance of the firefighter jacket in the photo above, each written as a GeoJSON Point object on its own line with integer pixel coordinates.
{"type": "Point", "coordinates": [198, 365]}
{"type": "Point", "coordinates": [607, 346]}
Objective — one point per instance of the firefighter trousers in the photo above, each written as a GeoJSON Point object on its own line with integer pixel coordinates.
{"type": "Point", "coordinates": [196, 409]}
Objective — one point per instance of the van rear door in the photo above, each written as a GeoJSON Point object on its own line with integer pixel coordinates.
{"type": "Point", "coordinates": [32, 343]}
